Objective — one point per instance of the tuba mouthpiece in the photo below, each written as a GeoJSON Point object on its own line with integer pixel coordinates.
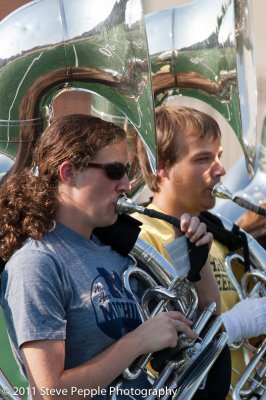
{"type": "Point", "coordinates": [220, 191]}
{"type": "Point", "coordinates": [125, 205]}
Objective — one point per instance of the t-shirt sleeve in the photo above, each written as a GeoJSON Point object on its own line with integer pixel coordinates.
{"type": "Point", "coordinates": [34, 303]}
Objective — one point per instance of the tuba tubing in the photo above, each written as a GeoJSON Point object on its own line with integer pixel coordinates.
{"type": "Point", "coordinates": [168, 374]}
{"type": "Point", "coordinates": [239, 392]}
{"type": "Point", "coordinates": [252, 381]}
{"type": "Point", "coordinates": [7, 391]}
{"type": "Point", "coordinates": [72, 51]}
{"type": "Point", "coordinates": [161, 356]}
{"type": "Point", "coordinates": [183, 368]}
{"type": "Point", "coordinates": [183, 374]}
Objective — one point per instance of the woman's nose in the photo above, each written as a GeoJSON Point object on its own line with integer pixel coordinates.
{"type": "Point", "coordinates": [124, 184]}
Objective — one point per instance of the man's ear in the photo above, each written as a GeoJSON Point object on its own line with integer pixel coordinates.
{"type": "Point", "coordinates": [67, 173]}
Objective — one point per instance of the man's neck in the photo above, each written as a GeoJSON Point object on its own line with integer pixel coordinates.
{"type": "Point", "coordinates": [171, 208]}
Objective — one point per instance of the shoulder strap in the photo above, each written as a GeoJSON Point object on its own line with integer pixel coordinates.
{"type": "Point", "coordinates": [122, 235]}
{"type": "Point", "coordinates": [234, 239]}
{"type": "Point", "coordinates": [2, 265]}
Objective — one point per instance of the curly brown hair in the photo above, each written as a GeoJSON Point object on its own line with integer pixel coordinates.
{"type": "Point", "coordinates": [28, 203]}
{"type": "Point", "coordinates": [172, 122]}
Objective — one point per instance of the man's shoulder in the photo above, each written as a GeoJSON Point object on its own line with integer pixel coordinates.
{"type": "Point", "coordinates": [154, 226]}
{"type": "Point", "coordinates": [147, 222]}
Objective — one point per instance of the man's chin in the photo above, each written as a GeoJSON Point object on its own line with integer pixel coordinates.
{"type": "Point", "coordinates": [211, 204]}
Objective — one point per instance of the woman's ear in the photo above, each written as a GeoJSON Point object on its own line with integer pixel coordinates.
{"type": "Point", "coordinates": [67, 173]}
{"type": "Point", "coordinates": [162, 171]}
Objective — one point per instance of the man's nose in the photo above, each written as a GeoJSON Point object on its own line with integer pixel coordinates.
{"type": "Point", "coordinates": [219, 168]}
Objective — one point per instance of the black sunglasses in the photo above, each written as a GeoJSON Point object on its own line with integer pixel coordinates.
{"type": "Point", "coordinates": [114, 171]}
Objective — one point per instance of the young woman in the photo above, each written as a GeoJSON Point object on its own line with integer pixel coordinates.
{"type": "Point", "coordinates": [72, 325]}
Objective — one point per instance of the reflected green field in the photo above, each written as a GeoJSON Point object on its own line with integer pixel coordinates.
{"type": "Point", "coordinates": [7, 362]}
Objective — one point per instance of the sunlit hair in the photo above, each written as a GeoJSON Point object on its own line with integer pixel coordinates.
{"type": "Point", "coordinates": [172, 122]}
{"type": "Point", "coordinates": [28, 203]}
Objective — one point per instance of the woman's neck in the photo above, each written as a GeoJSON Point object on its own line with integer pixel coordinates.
{"type": "Point", "coordinates": [73, 221]}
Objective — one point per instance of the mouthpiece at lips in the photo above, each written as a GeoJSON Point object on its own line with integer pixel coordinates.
{"type": "Point", "coordinates": [222, 192]}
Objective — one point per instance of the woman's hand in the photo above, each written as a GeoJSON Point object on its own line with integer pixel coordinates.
{"type": "Point", "coordinates": [195, 230]}
{"type": "Point", "coordinates": [161, 331]}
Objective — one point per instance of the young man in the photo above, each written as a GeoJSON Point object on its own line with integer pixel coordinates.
{"type": "Point", "coordinates": [189, 165]}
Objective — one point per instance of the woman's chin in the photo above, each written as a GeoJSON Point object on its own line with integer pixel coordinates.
{"type": "Point", "coordinates": [111, 221]}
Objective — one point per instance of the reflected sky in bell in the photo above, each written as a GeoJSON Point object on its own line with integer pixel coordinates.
{"type": "Point", "coordinates": [27, 28]}
{"type": "Point", "coordinates": [49, 22]}
{"type": "Point", "coordinates": [191, 23]}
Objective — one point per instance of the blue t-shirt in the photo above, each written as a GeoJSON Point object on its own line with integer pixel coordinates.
{"type": "Point", "coordinates": [70, 288]}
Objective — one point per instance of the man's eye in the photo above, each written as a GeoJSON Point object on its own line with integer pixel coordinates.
{"type": "Point", "coordinates": [204, 159]}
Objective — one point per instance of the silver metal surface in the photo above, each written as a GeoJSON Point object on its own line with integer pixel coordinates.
{"type": "Point", "coordinates": [165, 290]}
{"type": "Point", "coordinates": [222, 192]}
{"type": "Point", "coordinates": [7, 391]}
{"type": "Point", "coordinates": [48, 46]}
{"type": "Point", "coordinates": [204, 49]}
{"type": "Point", "coordinates": [128, 206]}
{"type": "Point", "coordinates": [51, 46]}
{"type": "Point", "coordinates": [5, 164]}
{"type": "Point", "coordinates": [253, 190]}
{"type": "Point", "coordinates": [252, 382]}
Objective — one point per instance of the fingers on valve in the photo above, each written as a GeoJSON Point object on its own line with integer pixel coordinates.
{"type": "Point", "coordinates": [184, 328]}
{"type": "Point", "coordinates": [178, 324]}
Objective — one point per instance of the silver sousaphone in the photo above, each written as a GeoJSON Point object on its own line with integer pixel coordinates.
{"type": "Point", "coordinates": [51, 46]}
{"type": "Point", "coordinates": [204, 50]}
